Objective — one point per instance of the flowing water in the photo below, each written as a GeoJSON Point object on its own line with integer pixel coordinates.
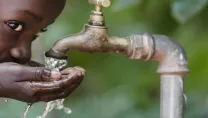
{"type": "Point", "coordinates": [26, 110]}
{"type": "Point", "coordinates": [57, 64]}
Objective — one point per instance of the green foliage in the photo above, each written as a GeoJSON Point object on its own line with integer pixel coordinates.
{"type": "Point", "coordinates": [120, 5]}
{"type": "Point", "coordinates": [183, 10]}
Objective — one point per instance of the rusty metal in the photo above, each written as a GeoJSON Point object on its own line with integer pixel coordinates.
{"type": "Point", "coordinates": [171, 56]}
{"type": "Point", "coordinates": [102, 3]}
{"type": "Point", "coordinates": [91, 39]}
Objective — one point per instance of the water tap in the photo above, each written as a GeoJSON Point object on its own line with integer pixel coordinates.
{"type": "Point", "coordinates": [94, 38]}
{"type": "Point", "coordinates": [171, 56]}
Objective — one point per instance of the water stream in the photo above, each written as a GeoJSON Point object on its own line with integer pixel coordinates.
{"type": "Point", "coordinates": [27, 110]}
{"type": "Point", "coordinates": [57, 64]}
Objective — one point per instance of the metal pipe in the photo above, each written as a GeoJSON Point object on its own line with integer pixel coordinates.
{"type": "Point", "coordinates": [104, 3]}
{"type": "Point", "coordinates": [172, 68]}
{"type": "Point", "coordinates": [171, 102]}
{"type": "Point", "coordinates": [91, 39]}
{"type": "Point", "coordinates": [170, 55]}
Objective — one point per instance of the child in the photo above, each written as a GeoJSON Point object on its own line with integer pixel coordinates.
{"type": "Point", "coordinates": [20, 21]}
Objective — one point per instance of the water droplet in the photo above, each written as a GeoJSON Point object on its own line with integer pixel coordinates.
{"type": "Point", "coordinates": [67, 110]}
{"type": "Point", "coordinates": [6, 101]}
{"type": "Point", "coordinates": [181, 56]}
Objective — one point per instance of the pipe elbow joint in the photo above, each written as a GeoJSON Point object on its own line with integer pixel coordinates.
{"type": "Point", "coordinates": [170, 54]}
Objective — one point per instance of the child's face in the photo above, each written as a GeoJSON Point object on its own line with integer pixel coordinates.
{"type": "Point", "coordinates": [20, 21]}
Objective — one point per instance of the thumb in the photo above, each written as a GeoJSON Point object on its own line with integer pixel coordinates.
{"type": "Point", "coordinates": [40, 74]}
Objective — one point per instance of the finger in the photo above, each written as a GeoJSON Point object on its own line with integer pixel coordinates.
{"type": "Point", "coordinates": [82, 70]}
{"type": "Point", "coordinates": [74, 82]}
{"type": "Point", "coordinates": [69, 90]}
{"type": "Point", "coordinates": [39, 74]}
{"type": "Point", "coordinates": [79, 68]}
{"type": "Point", "coordinates": [69, 70]}
{"type": "Point", "coordinates": [79, 78]}
{"type": "Point", "coordinates": [56, 96]}
{"type": "Point", "coordinates": [51, 97]}
{"type": "Point", "coordinates": [47, 93]}
{"type": "Point", "coordinates": [50, 87]}
{"type": "Point", "coordinates": [80, 75]}
{"type": "Point", "coordinates": [47, 74]}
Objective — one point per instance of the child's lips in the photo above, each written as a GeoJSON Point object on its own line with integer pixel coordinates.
{"type": "Point", "coordinates": [3, 59]}
{"type": "Point", "coordinates": [20, 61]}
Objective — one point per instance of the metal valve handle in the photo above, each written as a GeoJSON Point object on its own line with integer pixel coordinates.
{"type": "Point", "coordinates": [103, 3]}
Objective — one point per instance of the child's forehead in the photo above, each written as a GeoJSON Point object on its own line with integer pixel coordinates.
{"type": "Point", "coordinates": [35, 4]}
{"type": "Point", "coordinates": [42, 8]}
{"type": "Point", "coordinates": [32, 5]}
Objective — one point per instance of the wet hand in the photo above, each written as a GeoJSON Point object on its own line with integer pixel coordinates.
{"type": "Point", "coordinates": [34, 84]}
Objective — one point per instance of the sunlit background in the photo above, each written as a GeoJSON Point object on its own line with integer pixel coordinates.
{"type": "Point", "coordinates": [115, 87]}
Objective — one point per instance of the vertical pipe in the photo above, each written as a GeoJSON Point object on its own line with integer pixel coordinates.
{"type": "Point", "coordinates": [172, 99]}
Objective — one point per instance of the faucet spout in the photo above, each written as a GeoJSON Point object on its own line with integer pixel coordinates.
{"type": "Point", "coordinates": [61, 46]}
{"type": "Point", "coordinates": [91, 39]}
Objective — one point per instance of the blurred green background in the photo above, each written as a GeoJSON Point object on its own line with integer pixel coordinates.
{"type": "Point", "coordinates": [116, 87]}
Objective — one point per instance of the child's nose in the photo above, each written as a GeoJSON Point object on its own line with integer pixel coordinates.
{"type": "Point", "coordinates": [20, 54]}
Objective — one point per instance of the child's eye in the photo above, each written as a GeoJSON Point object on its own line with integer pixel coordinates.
{"type": "Point", "coordinates": [15, 25]}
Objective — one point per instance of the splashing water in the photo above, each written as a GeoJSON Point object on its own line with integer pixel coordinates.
{"type": "Point", "coordinates": [57, 104]}
{"type": "Point", "coordinates": [27, 110]}
{"type": "Point", "coordinates": [57, 64]}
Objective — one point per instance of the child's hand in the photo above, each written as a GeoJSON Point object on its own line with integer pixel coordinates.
{"type": "Point", "coordinates": [34, 84]}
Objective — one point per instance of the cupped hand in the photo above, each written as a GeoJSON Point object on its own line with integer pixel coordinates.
{"type": "Point", "coordinates": [34, 84]}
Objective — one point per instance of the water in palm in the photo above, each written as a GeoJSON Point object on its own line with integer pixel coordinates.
{"type": "Point", "coordinates": [57, 64]}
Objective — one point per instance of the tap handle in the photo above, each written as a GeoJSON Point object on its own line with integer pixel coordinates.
{"type": "Point", "coordinates": [103, 3]}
